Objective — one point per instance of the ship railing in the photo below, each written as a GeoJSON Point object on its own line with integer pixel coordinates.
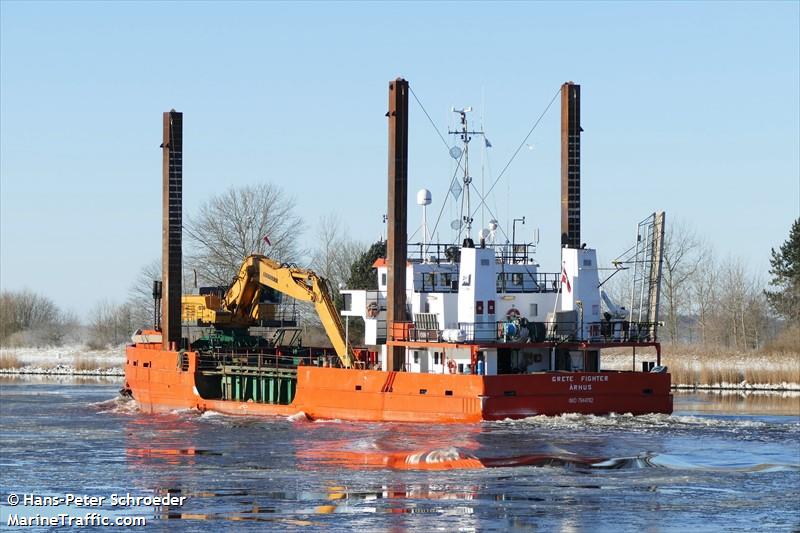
{"type": "Point", "coordinates": [535, 282]}
{"type": "Point", "coordinates": [621, 331]}
{"type": "Point", "coordinates": [257, 360]}
{"type": "Point", "coordinates": [521, 331]}
{"type": "Point", "coordinates": [507, 282]}
{"type": "Point", "coordinates": [521, 253]}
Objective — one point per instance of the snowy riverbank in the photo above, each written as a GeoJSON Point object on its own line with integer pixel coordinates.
{"type": "Point", "coordinates": [76, 360]}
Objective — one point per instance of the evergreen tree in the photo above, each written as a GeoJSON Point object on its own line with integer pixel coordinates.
{"type": "Point", "coordinates": [785, 272]}
{"type": "Point", "coordinates": [362, 274]}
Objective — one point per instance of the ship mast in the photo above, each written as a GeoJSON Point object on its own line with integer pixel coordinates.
{"type": "Point", "coordinates": [465, 134]}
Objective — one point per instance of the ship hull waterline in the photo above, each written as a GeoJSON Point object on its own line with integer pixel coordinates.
{"type": "Point", "coordinates": [159, 382]}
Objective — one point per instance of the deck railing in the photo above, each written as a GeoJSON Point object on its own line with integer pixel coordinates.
{"type": "Point", "coordinates": [521, 332]}
{"type": "Point", "coordinates": [507, 282]}
{"type": "Point", "coordinates": [520, 253]}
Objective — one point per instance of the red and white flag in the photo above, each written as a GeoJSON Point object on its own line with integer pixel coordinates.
{"type": "Point", "coordinates": [565, 279]}
{"type": "Point", "coordinates": [266, 240]}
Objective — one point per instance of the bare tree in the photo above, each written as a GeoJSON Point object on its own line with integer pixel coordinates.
{"type": "Point", "coordinates": [140, 294]}
{"type": "Point", "coordinates": [110, 324]}
{"type": "Point", "coordinates": [333, 255]}
{"type": "Point", "coordinates": [742, 309]}
{"type": "Point", "coordinates": [705, 294]}
{"type": "Point", "coordinates": [29, 319]}
{"type": "Point", "coordinates": [335, 251]}
{"type": "Point", "coordinates": [757, 315]}
{"type": "Point", "coordinates": [255, 219]}
{"type": "Point", "coordinates": [681, 262]}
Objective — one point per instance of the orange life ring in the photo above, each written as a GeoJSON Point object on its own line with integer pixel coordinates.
{"type": "Point", "coordinates": [372, 309]}
{"type": "Point", "coordinates": [451, 366]}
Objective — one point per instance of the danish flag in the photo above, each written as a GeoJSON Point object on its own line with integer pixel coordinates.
{"type": "Point", "coordinates": [565, 279]}
{"type": "Point", "coordinates": [266, 240]}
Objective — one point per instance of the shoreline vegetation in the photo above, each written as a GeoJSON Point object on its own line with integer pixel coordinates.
{"type": "Point", "coordinates": [692, 367]}
{"type": "Point", "coordinates": [696, 367]}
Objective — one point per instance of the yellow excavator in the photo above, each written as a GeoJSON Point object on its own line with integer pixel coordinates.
{"type": "Point", "coordinates": [240, 307]}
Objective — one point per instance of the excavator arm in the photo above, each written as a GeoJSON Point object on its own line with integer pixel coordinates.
{"type": "Point", "coordinates": [257, 271]}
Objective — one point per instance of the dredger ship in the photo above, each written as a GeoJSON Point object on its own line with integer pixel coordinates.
{"type": "Point", "coordinates": [459, 332]}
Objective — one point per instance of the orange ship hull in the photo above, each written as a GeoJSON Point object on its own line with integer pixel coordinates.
{"type": "Point", "coordinates": [159, 382]}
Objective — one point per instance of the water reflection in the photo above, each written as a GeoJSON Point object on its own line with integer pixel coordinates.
{"type": "Point", "coordinates": [572, 472]}
{"type": "Point", "coordinates": [740, 402]}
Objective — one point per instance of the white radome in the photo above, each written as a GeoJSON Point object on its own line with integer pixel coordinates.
{"type": "Point", "coordinates": [424, 197]}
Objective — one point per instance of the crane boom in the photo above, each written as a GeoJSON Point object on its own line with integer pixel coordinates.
{"type": "Point", "coordinates": [241, 299]}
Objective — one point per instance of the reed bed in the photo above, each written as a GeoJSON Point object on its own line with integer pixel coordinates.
{"type": "Point", "coordinates": [703, 367]}
{"type": "Point", "coordinates": [9, 361]}
{"type": "Point", "coordinates": [83, 363]}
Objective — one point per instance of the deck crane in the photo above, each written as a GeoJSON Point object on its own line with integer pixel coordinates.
{"type": "Point", "coordinates": [240, 305]}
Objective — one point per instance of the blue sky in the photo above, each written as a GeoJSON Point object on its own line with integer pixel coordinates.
{"type": "Point", "coordinates": [687, 107]}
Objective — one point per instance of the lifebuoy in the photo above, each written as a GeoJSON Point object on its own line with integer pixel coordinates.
{"type": "Point", "coordinates": [512, 313]}
{"type": "Point", "coordinates": [451, 366]}
{"type": "Point", "coordinates": [372, 310]}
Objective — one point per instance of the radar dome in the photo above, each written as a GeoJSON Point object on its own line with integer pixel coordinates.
{"type": "Point", "coordinates": [424, 197]}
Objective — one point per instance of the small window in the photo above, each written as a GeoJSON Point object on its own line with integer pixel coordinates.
{"type": "Point", "coordinates": [358, 387]}
{"type": "Point", "coordinates": [516, 278]}
{"type": "Point", "coordinates": [587, 262]}
{"type": "Point", "coordinates": [490, 305]}
{"type": "Point", "coordinates": [431, 279]}
{"type": "Point", "coordinates": [534, 309]}
{"type": "Point", "coordinates": [416, 357]}
{"type": "Point", "coordinates": [484, 262]}
{"type": "Point", "coordinates": [479, 307]}
{"type": "Point", "coordinates": [383, 279]}
{"type": "Point", "coordinates": [423, 391]}
{"type": "Point", "coordinates": [448, 393]}
{"type": "Point", "coordinates": [435, 358]}
{"type": "Point", "coordinates": [347, 301]}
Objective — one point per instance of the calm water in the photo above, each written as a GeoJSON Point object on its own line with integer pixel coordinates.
{"type": "Point", "coordinates": [719, 463]}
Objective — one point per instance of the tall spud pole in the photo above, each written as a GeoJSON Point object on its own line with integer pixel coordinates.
{"type": "Point", "coordinates": [171, 251]}
{"type": "Point", "coordinates": [397, 234]}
